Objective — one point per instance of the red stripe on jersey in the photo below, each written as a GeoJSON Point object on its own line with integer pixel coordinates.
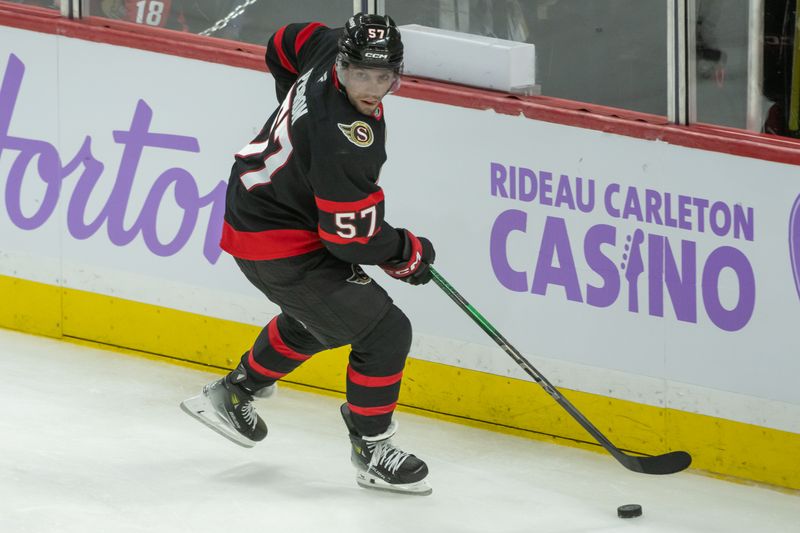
{"type": "Point", "coordinates": [304, 35]}
{"type": "Point", "coordinates": [372, 411]}
{"type": "Point", "coordinates": [330, 206]}
{"type": "Point", "coordinates": [263, 371]}
{"type": "Point", "coordinates": [277, 42]}
{"type": "Point", "coordinates": [335, 78]}
{"type": "Point", "coordinates": [372, 381]}
{"type": "Point", "coordinates": [269, 244]}
{"type": "Point", "coordinates": [336, 239]}
{"type": "Point", "coordinates": [279, 346]}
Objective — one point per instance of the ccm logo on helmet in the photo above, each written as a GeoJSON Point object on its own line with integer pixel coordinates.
{"type": "Point", "coordinates": [373, 55]}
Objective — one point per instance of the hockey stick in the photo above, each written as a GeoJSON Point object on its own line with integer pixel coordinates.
{"type": "Point", "coordinates": [667, 463]}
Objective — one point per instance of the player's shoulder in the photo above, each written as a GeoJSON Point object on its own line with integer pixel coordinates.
{"type": "Point", "coordinates": [295, 37]}
{"type": "Point", "coordinates": [326, 37]}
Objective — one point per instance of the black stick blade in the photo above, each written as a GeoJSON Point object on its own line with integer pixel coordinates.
{"type": "Point", "coordinates": [668, 463]}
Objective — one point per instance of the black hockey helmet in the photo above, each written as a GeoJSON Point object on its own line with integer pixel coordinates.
{"type": "Point", "coordinates": [371, 41]}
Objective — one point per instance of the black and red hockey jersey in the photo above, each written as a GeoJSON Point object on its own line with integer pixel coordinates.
{"type": "Point", "coordinates": [310, 178]}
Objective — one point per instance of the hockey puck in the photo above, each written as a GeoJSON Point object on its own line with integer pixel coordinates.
{"type": "Point", "coordinates": [629, 511]}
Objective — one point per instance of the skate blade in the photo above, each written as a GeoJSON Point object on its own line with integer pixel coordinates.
{"type": "Point", "coordinates": [419, 488]}
{"type": "Point", "coordinates": [199, 408]}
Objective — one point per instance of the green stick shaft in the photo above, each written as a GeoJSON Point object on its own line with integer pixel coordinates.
{"type": "Point", "coordinates": [486, 326]}
{"type": "Point", "coordinates": [667, 463]}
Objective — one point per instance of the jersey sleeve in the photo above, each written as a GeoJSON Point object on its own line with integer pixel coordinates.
{"type": "Point", "coordinates": [351, 208]}
{"type": "Point", "coordinates": [287, 51]}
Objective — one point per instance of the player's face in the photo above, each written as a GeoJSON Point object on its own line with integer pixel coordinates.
{"type": "Point", "coordinates": [366, 87]}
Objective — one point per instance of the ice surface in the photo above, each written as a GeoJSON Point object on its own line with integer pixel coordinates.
{"type": "Point", "coordinates": [93, 440]}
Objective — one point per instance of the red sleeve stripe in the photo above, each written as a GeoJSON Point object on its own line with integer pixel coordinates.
{"type": "Point", "coordinates": [277, 42]}
{"type": "Point", "coordinates": [330, 206]}
{"type": "Point", "coordinates": [336, 239]}
{"type": "Point", "coordinates": [304, 35]}
{"type": "Point", "coordinates": [260, 370]}
{"type": "Point", "coordinates": [372, 411]}
{"type": "Point", "coordinates": [372, 381]}
{"type": "Point", "coordinates": [279, 346]}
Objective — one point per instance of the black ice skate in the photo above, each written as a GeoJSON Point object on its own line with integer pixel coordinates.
{"type": "Point", "coordinates": [227, 408]}
{"type": "Point", "coordinates": [381, 465]}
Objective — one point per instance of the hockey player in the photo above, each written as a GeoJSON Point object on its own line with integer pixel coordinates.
{"type": "Point", "coordinates": [304, 210]}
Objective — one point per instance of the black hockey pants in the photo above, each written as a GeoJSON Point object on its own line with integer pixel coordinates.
{"type": "Point", "coordinates": [326, 303]}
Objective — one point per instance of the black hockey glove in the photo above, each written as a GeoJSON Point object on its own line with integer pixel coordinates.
{"type": "Point", "coordinates": [412, 266]}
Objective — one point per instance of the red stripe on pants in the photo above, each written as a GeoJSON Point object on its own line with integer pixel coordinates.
{"type": "Point", "coordinates": [277, 343]}
{"type": "Point", "coordinates": [372, 381]}
{"type": "Point", "coordinates": [262, 370]}
{"type": "Point", "coordinates": [372, 411]}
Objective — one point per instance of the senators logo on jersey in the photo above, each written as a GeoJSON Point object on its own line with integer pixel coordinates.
{"type": "Point", "coordinates": [358, 133]}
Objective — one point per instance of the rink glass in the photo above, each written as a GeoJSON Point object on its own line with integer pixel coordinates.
{"type": "Point", "coordinates": [606, 52]}
{"type": "Point", "coordinates": [258, 20]}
